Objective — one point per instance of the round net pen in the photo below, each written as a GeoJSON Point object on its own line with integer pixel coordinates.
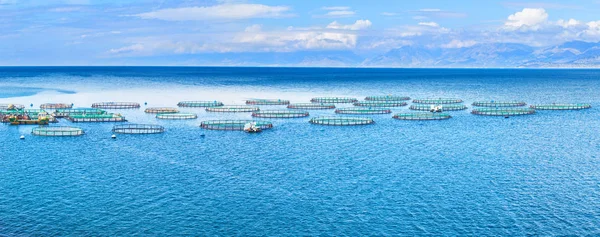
{"type": "Point", "coordinates": [267, 102]}
{"type": "Point", "coordinates": [233, 109]}
{"type": "Point", "coordinates": [179, 116]}
{"type": "Point", "coordinates": [202, 104]}
{"type": "Point", "coordinates": [333, 100]}
{"type": "Point", "coordinates": [116, 105]}
{"type": "Point", "coordinates": [560, 106]}
{"type": "Point", "coordinates": [380, 103]}
{"type": "Point", "coordinates": [61, 113]}
{"type": "Point", "coordinates": [422, 116]}
{"type": "Point", "coordinates": [499, 103]}
{"type": "Point", "coordinates": [56, 106]}
{"type": "Point", "coordinates": [138, 129]}
{"type": "Point", "coordinates": [438, 101]}
{"type": "Point", "coordinates": [387, 98]}
{"type": "Point", "coordinates": [82, 118]}
{"type": "Point", "coordinates": [233, 125]}
{"type": "Point", "coordinates": [57, 131]}
{"type": "Point", "coordinates": [11, 106]}
{"type": "Point", "coordinates": [447, 107]}
{"type": "Point", "coordinates": [363, 111]}
{"type": "Point", "coordinates": [341, 121]}
{"type": "Point", "coordinates": [280, 114]}
{"type": "Point", "coordinates": [311, 106]}
{"type": "Point", "coordinates": [503, 112]}
{"type": "Point", "coordinates": [161, 110]}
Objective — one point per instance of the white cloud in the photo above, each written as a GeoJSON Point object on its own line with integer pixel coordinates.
{"type": "Point", "coordinates": [430, 24]}
{"type": "Point", "coordinates": [227, 11]}
{"type": "Point", "coordinates": [253, 28]}
{"type": "Point", "coordinates": [128, 49]}
{"type": "Point", "coordinates": [593, 28]}
{"type": "Point", "coordinates": [454, 44]}
{"type": "Point", "coordinates": [389, 14]}
{"type": "Point", "coordinates": [430, 10]}
{"type": "Point", "coordinates": [340, 14]}
{"type": "Point", "coordinates": [570, 23]}
{"type": "Point", "coordinates": [337, 8]}
{"type": "Point", "coordinates": [335, 12]}
{"type": "Point", "coordinates": [527, 19]}
{"type": "Point", "coordinates": [358, 25]}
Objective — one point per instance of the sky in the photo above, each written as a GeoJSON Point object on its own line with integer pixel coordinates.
{"type": "Point", "coordinates": [128, 32]}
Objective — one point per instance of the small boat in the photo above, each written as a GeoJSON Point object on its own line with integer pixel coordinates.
{"type": "Point", "coordinates": [251, 128]}
{"type": "Point", "coordinates": [436, 109]}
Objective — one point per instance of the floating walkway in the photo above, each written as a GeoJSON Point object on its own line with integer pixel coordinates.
{"type": "Point", "coordinates": [503, 112]}
{"type": "Point", "coordinates": [178, 116]}
{"type": "Point", "coordinates": [202, 104]}
{"type": "Point", "coordinates": [61, 113]}
{"type": "Point", "coordinates": [363, 111]}
{"type": "Point", "coordinates": [78, 118]}
{"type": "Point", "coordinates": [311, 106]}
{"type": "Point", "coordinates": [56, 106]}
{"type": "Point", "coordinates": [333, 100]}
{"type": "Point", "coordinates": [560, 106]}
{"type": "Point", "coordinates": [11, 106]}
{"type": "Point", "coordinates": [138, 129]}
{"type": "Point", "coordinates": [341, 121]}
{"type": "Point", "coordinates": [233, 109]}
{"type": "Point", "coordinates": [422, 116]}
{"type": "Point", "coordinates": [387, 98]}
{"type": "Point", "coordinates": [438, 101]}
{"type": "Point", "coordinates": [267, 102]}
{"type": "Point", "coordinates": [447, 107]}
{"type": "Point", "coordinates": [57, 131]}
{"type": "Point", "coordinates": [233, 125]}
{"type": "Point", "coordinates": [280, 114]}
{"type": "Point", "coordinates": [116, 105]}
{"type": "Point", "coordinates": [161, 110]}
{"type": "Point", "coordinates": [380, 103]}
{"type": "Point", "coordinates": [499, 103]}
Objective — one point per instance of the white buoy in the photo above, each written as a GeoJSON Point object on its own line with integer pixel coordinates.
{"type": "Point", "coordinates": [113, 136]}
{"type": "Point", "coordinates": [22, 137]}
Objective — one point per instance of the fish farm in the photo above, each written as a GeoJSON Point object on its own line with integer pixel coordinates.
{"type": "Point", "coordinates": [561, 106]}
{"type": "Point", "coordinates": [363, 111]}
{"type": "Point", "coordinates": [267, 102]}
{"type": "Point", "coordinates": [11, 106]}
{"type": "Point", "coordinates": [438, 101]}
{"type": "Point", "coordinates": [201, 104]}
{"type": "Point", "coordinates": [280, 114]}
{"type": "Point", "coordinates": [333, 100]}
{"type": "Point", "coordinates": [233, 125]}
{"type": "Point", "coordinates": [380, 103]}
{"type": "Point", "coordinates": [448, 107]}
{"type": "Point", "coordinates": [77, 118]}
{"type": "Point", "coordinates": [310, 106]}
{"type": "Point", "coordinates": [161, 110]}
{"type": "Point", "coordinates": [233, 109]}
{"type": "Point", "coordinates": [56, 106]}
{"type": "Point", "coordinates": [138, 129]}
{"type": "Point", "coordinates": [387, 98]}
{"type": "Point", "coordinates": [57, 131]}
{"type": "Point", "coordinates": [61, 113]}
{"type": "Point", "coordinates": [341, 121]}
{"type": "Point", "coordinates": [499, 103]}
{"type": "Point", "coordinates": [503, 112]}
{"type": "Point", "coordinates": [116, 105]}
{"type": "Point", "coordinates": [178, 116]}
{"type": "Point", "coordinates": [422, 116]}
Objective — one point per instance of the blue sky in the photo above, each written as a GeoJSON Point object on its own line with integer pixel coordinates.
{"type": "Point", "coordinates": [127, 32]}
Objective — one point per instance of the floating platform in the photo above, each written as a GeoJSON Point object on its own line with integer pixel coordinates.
{"type": "Point", "coordinates": [233, 125]}
{"type": "Point", "coordinates": [56, 106]}
{"type": "Point", "coordinates": [387, 98]}
{"type": "Point", "coordinates": [503, 112]}
{"type": "Point", "coordinates": [11, 106]}
{"type": "Point", "coordinates": [438, 101]}
{"type": "Point", "coordinates": [61, 113]}
{"type": "Point", "coordinates": [161, 110]}
{"type": "Point", "coordinates": [341, 121]}
{"type": "Point", "coordinates": [499, 103]}
{"type": "Point", "coordinates": [233, 109]}
{"type": "Point", "coordinates": [447, 107]}
{"type": "Point", "coordinates": [57, 131]}
{"type": "Point", "coordinates": [311, 106]}
{"type": "Point", "coordinates": [560, 106]}
{"type": "Point", "coordinates": [280, 114]}
{"type": "Point", "coordinates": [422, 116]}
{"type": "Point", "coordinates": [201, 104]}
{"type": "Point", "coordinates": [138, 129]}
{"type": "Point", "coordinates": [116, 105]}
{"type": "Point", "coordinates": [333, 100]}
{"type": "Point", "coordinates": [380, 103]}
{"type": "Point", "coordinates": [27, 117]}
{"type": "Point", "coordinates": [363, 111]}
{"type": "Point", "coordinates": [267, 102]}
{"type": "Point", "coordinates": [78, 118]}
{"type": "Point", "coordinates": [178, 116]}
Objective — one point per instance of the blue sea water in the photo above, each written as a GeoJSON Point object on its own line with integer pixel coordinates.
{"type": "Point", "coordinates": [470, 175]}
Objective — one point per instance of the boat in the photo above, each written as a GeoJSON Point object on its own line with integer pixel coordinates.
{"type": "Point", "coordinates": [436, 109]}
{"type": "Point", "coordinates": [251, 128]}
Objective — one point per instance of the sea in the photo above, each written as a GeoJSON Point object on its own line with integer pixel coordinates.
{"type": "Point", "coordinates": [471, 175]}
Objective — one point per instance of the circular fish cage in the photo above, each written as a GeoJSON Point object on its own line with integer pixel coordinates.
{"type": "Point", "coordinates": [233, 109]}
{"type": "Point", "coordinates": [78, 118]}
{"type": "Point", "coordinates": [138, 129]}
{"type": "Point", "coordinates": [200, 104]}
{"type": "Point", "coordinates": [447, 107]}
{"type": "Point", "coordinates": [280, 114]}
{"type": "Point", "coordinates": [161, 110]}
{"type": "Point", "coordinates": [341, 121]}
{"type": "Point", "coordinates": [560, 106]}
{"type": "Point", "coordinates": [422, 116]}
{"type": "Point", "coordinates": [60, 113]}
{"type": "Point", "coordinates": [499, 103]}
{"type": "Point", "coordinates": [438, 101]}
{"type": "Point", "coordinates": [57, 131]}
{"type": "Point", "coordinates": [116, 105]}
{"type": "Point", "coordinates": [267, 102]}
{"type": "Point", "coordinates": [333, 100]}
{"type": "Point", "coordinates": [178, 116]}
{"type": "Point", "coordinates": [387, 98]}
{"type": "Point", "coordinates": [503, 112]}
{"type": "Point", "coordinates": [233, 125]}
{"type": "Point", "coordinates": [11, 106]}
{"type": "Point", "coordinates": [311, 106]}
{"type": "Point", "coordinates": [363, 111]}
{"type": "Point", "coordinates": [55, 106]}
{"type": "Point", "coordinates": [380, 103]}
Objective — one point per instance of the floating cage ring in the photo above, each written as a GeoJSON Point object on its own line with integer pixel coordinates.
{"type": "Point", "coordinates": [311, 106]}
{"type": "Point", "coordinates": [233, 109]}
{"type": "Point", "coordinates": [503, 112]}
{"type": "Point", "coordinates": [363, 111]}
{"type": "Point", "coordinates": [267, 102]}
{"type": "Point", "coordinates": [422, 116]}
{"type": "Point", "coordinates": [200, 104]}
{"type": "Point", "coordinates": [138, 129]}
{"type": "Point", "coordinates": [116, 105]}
{"type": "Point", "coordinates": [280, 114]}
{"type": "Point", "coordinates": [341, 121]}
{"type": "Point", "coordinates": [560, 106]}
{"type": "Point", "coordinates": [57, 131]}
{"type": "Point", "coordinates": [233, 125]}
{"type": "Point", "coordinates": [96, 118]}
{"type": "Point", "coordinates": [333, 100]}
{"type": "Point", "coordinates": [438, 101]}
{"type": "Point", "coordinates": [161, 110]}
{"type": "Point", "coordinates": [387, 98]}
{"type": "Point", "coordinates": [499, 103]}
{"type": "Point", "coordinates": [447, 107]}
{"type": "Point", "coordinates": [177, 116]}
{"type": "Point", "coordinates": [380, 103]}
